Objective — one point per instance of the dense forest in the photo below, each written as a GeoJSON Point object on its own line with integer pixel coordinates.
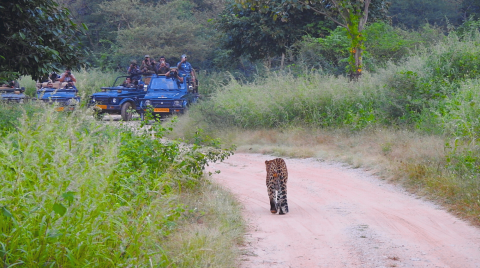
{"type": "Point", "coordinates": [224, 35]}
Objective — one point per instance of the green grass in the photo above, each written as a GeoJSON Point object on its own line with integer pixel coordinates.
{"type": "Point", "coordinates": [76, 192]}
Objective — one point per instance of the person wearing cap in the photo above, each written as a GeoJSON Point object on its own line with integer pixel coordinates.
{"type": "Point", "coordinates": [162, 66]}
{"type": "Point", "coordinates": [148, 65]}
{"type": "Point", "coordinates": [185, 69]}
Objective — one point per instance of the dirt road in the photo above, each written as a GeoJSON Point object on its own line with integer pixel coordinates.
{"type": "Point", "coordinates": [341, 217]}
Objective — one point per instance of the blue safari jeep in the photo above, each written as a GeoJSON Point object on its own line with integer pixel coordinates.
{"type": "Point", "coordinates": [64, 94]}
{"type": "Point", "coordinates": [166, 95]}
{"type": "Point", "coordinates": [12, 94]}
{"type": "Point", "coordinates": [120, 98]}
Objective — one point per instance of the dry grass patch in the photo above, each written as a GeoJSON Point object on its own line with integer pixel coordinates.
{"type": "Point", "coordinates": [209, 236]}
{"type": "Point", "coordinates": [415, 160]}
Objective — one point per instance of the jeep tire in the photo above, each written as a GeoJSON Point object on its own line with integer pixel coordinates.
{"type": "Point", "coordinates": [126, 111]}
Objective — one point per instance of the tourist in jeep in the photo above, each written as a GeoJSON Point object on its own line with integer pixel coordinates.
{"type": "Point", "coordinates": [162, 67]}
{"type": "Point", "coordinates": [133, 70]}
{"type": "Point", "coordinates": [54, 77]}
{"type": "Point", "coordinates": [128, 83]}
{"type": "Point", "coordinates": [67, 76]}
{"type": "Point", "coordinates": [49, 85]}
{"type": "Point", "coordinates": [185, 69]}
{"type": "Point", "coordinates": [148, 65]}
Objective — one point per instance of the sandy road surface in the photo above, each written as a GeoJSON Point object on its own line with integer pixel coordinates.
{"type": "Point", "coordinates": [341, 217]}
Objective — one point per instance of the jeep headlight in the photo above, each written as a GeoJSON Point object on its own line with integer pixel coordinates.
{"type": "Point", "coordinates": [148, 103]}
{"type": "Point", "coordinates": [93, 99]}
{"type": "Point", "coordinates": [177, 103]}
{"type": "Point", "coordinates": [114, 100]}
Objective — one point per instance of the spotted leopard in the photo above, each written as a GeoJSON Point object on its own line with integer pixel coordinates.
{"type": "Point", "coordinates": [277, 176]}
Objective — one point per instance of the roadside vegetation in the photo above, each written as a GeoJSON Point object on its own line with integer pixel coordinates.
{"type": "Point", "coordinates": [82, 193]}
{"type": "Point", "coordinates": [77, 193]}
{"type": "Point", "coordinates": [415, 120]}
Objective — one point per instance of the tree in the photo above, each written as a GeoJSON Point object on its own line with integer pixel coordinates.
{"type": "Point", "coordinates": [414, 14]}
{"type": "Point", "coordinates": [351, 14]}
{"type": "Point", "coordinates": [255, 35]}
{"type": "Point", "coordinates": [101, 35]}
{"type": "Point", "coordinates": [37, 37]}
{"type": "Point", "coordinates": [169, 28]}
{"type": "Point", "coordinates": [470, 8]}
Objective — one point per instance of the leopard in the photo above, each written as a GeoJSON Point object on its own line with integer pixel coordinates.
{"type": "Point", "coordinates": [277, 176]}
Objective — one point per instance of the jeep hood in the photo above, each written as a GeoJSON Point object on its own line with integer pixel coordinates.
{"type": "Point", "coordinates": [57, 95]}
{"type": "Point", "coordinates": [165, 95]}
{"type": "Point", "coordinates": [12, 96]}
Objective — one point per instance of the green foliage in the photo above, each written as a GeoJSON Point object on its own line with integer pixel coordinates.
{"type": "Point", "coordinates": [459, 116]}
{"type": "Point", "coordinates": [76, 193]}
{"type": "Point", "coordinates": [328, 54]}
{"type": "Point", "coordinates": [257, 36]}
{"type": "Point", "coordinates": [470, 9]}
{"type": "Point", "coordinates": [36, 37]}
{"type": "Point", "coordinates": [409, 93]}
{"type": "Point", "coordinates": [383, 44]}
{"type": "Point", "coordinates": [162, 28]}
{"type": "Point", "coordinates": [415, 13]}
{"type": "Point", "coordinates": [425, 84]}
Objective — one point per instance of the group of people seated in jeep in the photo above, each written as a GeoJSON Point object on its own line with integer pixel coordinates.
{"type": "Point", "coordinates": [66, 80]}
{"type": "Point", "coordinates": [10, 84]}
{"type": "Point", "coordinates": [162, 67]}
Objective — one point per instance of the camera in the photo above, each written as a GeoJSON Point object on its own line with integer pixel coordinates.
{"type": "Point", "coordinates": [69, 73]}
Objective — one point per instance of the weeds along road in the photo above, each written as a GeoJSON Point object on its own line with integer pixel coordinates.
{"type": "Point", "coordinates": [341, 217]}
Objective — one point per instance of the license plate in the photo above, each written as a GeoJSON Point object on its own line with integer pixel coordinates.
{"type": "Point", "coordinates": [161, 110]}
{"type": "Point", "coordinates": [60, 109]}
{"type": "Point", "coordinates": [102, 106]}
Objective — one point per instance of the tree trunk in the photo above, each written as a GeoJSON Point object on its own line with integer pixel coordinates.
{"type": "Point", "coordinates": [283, 60]}
{"type": "Point", "coordinates": [358, 63]}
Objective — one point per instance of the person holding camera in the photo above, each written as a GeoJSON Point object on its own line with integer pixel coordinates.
{"type": "Point", "coordinates": [133, 70]}
{"type": "Point", "coordinates": [185, 69]}
{"type": "Point", "coordinates": [162, 66]}
{"type": "Point", "coordinates": [67, 76]}
{"type": "Point", "coordinates": [148, 65]}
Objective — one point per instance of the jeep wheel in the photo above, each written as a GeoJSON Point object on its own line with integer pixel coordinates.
{"type": "Point", "coordinates": [126, 111]}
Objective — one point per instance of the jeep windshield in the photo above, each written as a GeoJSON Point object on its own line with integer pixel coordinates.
{"type": "Point", "coordinates": [122, 83]}
{"type": "Point", "coordinates": [163, 84]}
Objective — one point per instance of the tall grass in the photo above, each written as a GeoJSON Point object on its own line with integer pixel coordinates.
{"type": "Point", "coordinates": [78, 193]}
{"type": "Point", "coordinates": [432, 93]}
{"type": "Point", "coordinates": [283, 99]}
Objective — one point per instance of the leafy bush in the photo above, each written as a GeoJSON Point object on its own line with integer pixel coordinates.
{"type": "Point", "coordinates": [76, 193]}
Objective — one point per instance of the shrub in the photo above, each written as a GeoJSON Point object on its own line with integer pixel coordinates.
{"type": "Point", "coordinates": [76, 193]}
